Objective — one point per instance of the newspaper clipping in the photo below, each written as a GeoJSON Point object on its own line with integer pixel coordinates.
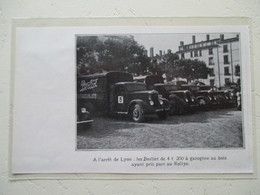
{"type": "Point", "coordinates": [132, 100]}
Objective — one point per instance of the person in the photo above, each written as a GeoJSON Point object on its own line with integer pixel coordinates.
{"type": "Point", "coordinates": [238, 95]}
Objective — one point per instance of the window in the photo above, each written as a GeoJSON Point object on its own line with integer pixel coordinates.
{"type": "Point", "coordinates": [227, 81]}
{"type": "Point", "coordinates": [225, 48]}
{"type": "Point", "coordinates": [210, 51]}
{"type": "Point", "coordinates": [196, 53]}
{"type": "Point", "coordinates": [212, 82]}
{"type": "Point", "coordinates": [191, 54]}
{"type": "Point", "coordinates": [182, 56]}
{"type": "Point", "coordinates": [226, 71]}
{"type": "Point", "coordinates": [226, 59]}
{"type": "Point", "coordinates": [200, 53]}
{"type": "Point", "coordinates": [211, 61]}
{"type": "Point", "coordinates": [211, 73]}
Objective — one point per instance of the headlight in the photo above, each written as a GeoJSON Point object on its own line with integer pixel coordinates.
{"type": "Point", "coordinates": [83, 110]}
{"type": "Point", "coordinates": [150, 97]}
{"type": "Point", "coordinates": [186, 99]}
{"type": "Point", "coordinates": [151, 102]}
{"type": "Point", "coordinates": [210, 98]}
{"type": "Point", "coordinates": [192, 99]}
{"type": "Point", "coordinates": [161, 102]}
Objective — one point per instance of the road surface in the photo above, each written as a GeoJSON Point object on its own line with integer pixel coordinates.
{"type": "Point", "coordinates": [212, 129]}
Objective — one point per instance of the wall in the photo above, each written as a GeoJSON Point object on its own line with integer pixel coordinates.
{"type": "Point", "coordinates": [119, 8]}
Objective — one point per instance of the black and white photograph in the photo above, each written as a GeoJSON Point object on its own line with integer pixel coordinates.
{"type": "Point", "coordinates": [159, 91]}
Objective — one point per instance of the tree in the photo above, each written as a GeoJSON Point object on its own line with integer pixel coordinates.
{"type": "Point", "coordinates": [191, 69]}
{"type": "Point", "coordinates": [110, 53]}
{"type": "Point", "coordinates": [169, 59]}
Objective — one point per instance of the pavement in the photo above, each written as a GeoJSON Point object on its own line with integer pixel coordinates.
{"type": "Point", "coordinates": [211, 129]}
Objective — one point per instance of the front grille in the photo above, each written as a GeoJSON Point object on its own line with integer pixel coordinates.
{"type": "Point", "coordinates": [154, 97]}
{"type": "Point", "coordinates": [188, 96]}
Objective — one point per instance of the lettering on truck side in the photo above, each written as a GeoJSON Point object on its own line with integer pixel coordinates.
{"type": "Point", "coordinates": [88, 85]}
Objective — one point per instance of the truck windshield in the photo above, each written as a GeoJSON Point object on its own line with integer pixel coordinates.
{"type": "Point", "coordinates": [135, 87]}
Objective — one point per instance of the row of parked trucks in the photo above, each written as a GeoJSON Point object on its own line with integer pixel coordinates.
{"type": "Point", "coordinates": [114, 93]}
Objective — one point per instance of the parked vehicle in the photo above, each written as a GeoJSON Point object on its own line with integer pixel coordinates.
{"type": "Point", "coordinates": [210, 97]}
{"type": "Point", "coordinates": [83, 116]}
{"type": "Point", "coordinates": [204, 97]}
{"type": "Point", "coordinates": [181, 101]}
{"type": "Point", "coordinates": [116, 93]}
{"type": "Point", "coordinates": [223, 97]}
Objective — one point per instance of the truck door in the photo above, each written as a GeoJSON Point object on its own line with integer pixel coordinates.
{"type": "Point", "coordinates": [120, 98]}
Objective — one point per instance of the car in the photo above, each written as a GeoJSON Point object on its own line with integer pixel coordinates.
{"type": "Point", "coordinates": [84, 119]}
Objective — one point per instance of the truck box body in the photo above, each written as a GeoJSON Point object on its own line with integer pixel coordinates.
{"type": "Point", "coordinates": [93, 90]}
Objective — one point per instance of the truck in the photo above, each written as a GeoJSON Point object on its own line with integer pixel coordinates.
{"type": "Point", "coordinates": [223, 97]}
{"type": "Point", "coordinates": [209, 96]}
{"type": "Point", "coordinates": [181, 101]}
{"type": "Point", "coordinates": [205, 97]}
{"type": "Point", "coordinates": [115, 92]}
{"type": "Point", "coordinates": [84, 119]}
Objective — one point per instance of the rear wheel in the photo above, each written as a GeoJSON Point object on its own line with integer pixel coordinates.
{"type": "Point", "coordinates": [137, 113]}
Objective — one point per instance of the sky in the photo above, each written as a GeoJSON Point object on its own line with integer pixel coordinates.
{"type": "Point", "coordinates": [171, 41]}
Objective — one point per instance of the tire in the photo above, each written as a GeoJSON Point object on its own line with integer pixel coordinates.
{"type": "Point", "coordinates": [162, 115]}
{"type": "Point", "coordinates": [137, 113]}
{"type": "Point", "coordinates": [203, 104]}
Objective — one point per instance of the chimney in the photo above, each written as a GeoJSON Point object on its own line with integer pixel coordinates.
{"type": "Point", "coordinates": [145, 52]}
{"type": "Point", "coordinates": [181, 43]}
{"type": "Point", "coordinates": [193, 39]}
{"type": "Point", "coordinates": [221, 37]}
{"type": "Point", "coordinates": [151, 52]}
{"type": "Point", "coordinates": [160, 52]}
{"type": "Point", "coordinates": [169, 51]}
{"type": "Point", "coordinates": [207, 37]}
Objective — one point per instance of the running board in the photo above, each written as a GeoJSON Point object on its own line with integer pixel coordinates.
{"type": "Point", "coordinates": [88, 121]}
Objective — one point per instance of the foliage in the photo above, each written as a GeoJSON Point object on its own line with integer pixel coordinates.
{"type": "Point", "coordinates": [108, 53]}
{"type": "Point", "coordinates": [123, 53]}
{"type": "Point", "coordinates": [187, 68]}
{"type": "Point", "coordinates": [193, 69]}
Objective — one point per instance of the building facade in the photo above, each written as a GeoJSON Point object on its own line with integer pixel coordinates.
{"type": "Point", "coordinates": [221, 55]}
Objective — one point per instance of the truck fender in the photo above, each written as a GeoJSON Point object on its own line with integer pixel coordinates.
{"type": "Point", "coordinates": [165, 101]}
{"type": "Point", "coordinates": [136, 101]}
{"type": "Point", "coordinates": [175, 100]}
{"type": "Point", "coordinates": [204, 98]}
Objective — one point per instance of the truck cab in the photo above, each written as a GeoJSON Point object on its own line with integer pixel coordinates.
{"type": "Point", "coordinates": [135, 100]}
{"type": "Point", "coordinates": [181, 101]}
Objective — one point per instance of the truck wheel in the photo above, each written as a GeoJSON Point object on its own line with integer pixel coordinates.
{"type": "Point", "coordinates": [137, 113]}
{"type": "Point", "coordinates": [203, 104]}
{"type": "Point", "coordinates": [162, 115]}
